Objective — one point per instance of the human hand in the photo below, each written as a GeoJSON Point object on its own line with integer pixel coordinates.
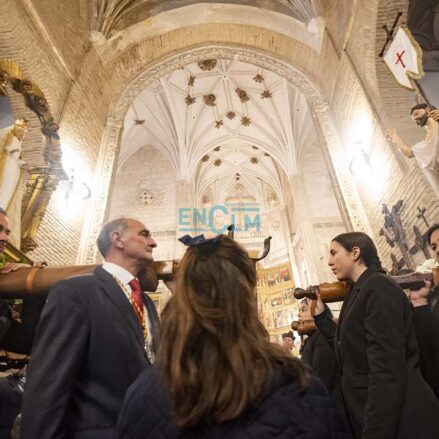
{"type": "Point", "coordinates": [420, 297]}
{"type": "Point", "coordinates": [434, 114]}
{"type": "Point", "coordinates": [13, 266]}
{"type": "Point", "coordinates": [317, 306]}
{"type": "Point", "coordinates": [171, 283]}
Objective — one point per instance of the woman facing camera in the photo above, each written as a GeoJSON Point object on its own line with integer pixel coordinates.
{"type": "Point", "coordinates": [426, 316]}
{"type": "Point", "coordinates": [217, 374]}
{"type": "Point", "coordinates": [433, 243]}
{"type": "Point", "coordinates": [384, 393]}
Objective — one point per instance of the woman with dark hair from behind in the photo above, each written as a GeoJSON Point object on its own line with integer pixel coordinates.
{"type": "Point", "coordinates": [217, 374]}
{"type": "Point", "coordinates": [426, 316]}
{"type": "Point", "coordinates": [384, 393]}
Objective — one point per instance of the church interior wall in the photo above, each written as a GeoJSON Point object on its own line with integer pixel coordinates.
{"type": "Point", "coordinates": [92, 95]}
{"type": "Point", "coordinates": [379, 177]}
{"type": "Point", "coordinates": [160, 213]}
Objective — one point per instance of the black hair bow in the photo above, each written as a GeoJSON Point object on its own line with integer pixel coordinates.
{"type": "Point", "coordinates": [198, 240]}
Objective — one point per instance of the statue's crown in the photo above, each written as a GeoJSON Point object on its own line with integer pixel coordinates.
{"type": "Point", "coordinates": [22, 122]}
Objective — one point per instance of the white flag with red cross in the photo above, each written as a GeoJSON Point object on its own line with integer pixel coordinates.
{"type": "Point", "coordinates": [404, 58]}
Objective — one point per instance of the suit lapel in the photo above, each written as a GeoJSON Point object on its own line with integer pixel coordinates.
{"type": "Point", "coordinates": [118, 298]}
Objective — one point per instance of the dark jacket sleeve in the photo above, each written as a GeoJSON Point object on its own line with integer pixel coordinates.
{"type": "Point", "coordinates": [58, 351]}
{"type": "Point", "coordinates": [384, 310]}
{"type": "Point", "coordinates": [327, 327]}
{"type": "Point", "coordinates": [426, 326]}
{"type": "Point", "coordinates": [324, 363]}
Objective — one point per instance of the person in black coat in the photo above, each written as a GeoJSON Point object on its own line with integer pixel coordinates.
{"type": "Point", "coordinates": [96, 334]}
{"type": "Point", "coordinates": [384, 393]}
{"type": "Point", "coordinates": [317, 353]}
{"type": "Point", "coordinates": [320, 356]}
{"type": "Point", "coordinates": [227, 379]}
{"type": "Point", "coordinates": [426, 320]}
{"type": "Point", "coordinates": [15, 337]}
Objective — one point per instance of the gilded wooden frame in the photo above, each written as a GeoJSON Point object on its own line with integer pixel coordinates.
{"type": "Point", "coordinates": [42, 180]}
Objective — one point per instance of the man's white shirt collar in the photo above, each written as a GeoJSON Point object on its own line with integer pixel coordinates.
{"type": "Point", "coordinates": [116, 270]}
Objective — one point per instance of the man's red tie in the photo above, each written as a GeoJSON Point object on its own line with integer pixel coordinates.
{"type": "Point", "coordinates": [136, 295]}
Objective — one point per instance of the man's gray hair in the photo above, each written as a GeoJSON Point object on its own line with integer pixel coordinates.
{"type": "Point", "coordinates": [104, 238]}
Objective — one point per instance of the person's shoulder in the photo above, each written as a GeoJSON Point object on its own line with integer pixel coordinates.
{"type": "Point", "coordinates": [309, 409]}
{"type": "Point", "coordinates": [145, 385]}
{"type": "Point", "coordinates": [74, 286]}
{"type": "Point", "coordinates": [79, 281]}
{"type": "Point", "coordinates": [382, 280]}
{"type": "Point", "coordinates": [145, 403]}
{"type": "Point", "coordinates": [382, 288]}
{"type": "Point", "coordinates": [283, 385]}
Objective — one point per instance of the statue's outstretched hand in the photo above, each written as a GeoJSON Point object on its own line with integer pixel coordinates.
{"type": "Point", "coordinates": [392, 134]}
{"type": "Point", "coordinates": [434, 114]}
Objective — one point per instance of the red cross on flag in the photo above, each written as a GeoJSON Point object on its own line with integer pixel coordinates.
{"type": "Point", "coordinates": [404, 58]}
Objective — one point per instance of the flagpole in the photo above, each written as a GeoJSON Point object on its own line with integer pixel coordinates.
{"type": "Point", "coordinates": [422, 93]}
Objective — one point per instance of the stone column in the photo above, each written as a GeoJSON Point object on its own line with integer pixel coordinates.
{"type": "Point", "coordinates": [105, 168]}
{"type": "Point", "coordinates": [305, 225]}
{"type": "Point", "coordinates": [288, 233]}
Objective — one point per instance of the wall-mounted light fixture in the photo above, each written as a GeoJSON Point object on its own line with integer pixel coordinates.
{"type": "Point", "coordinates": [360, 162]}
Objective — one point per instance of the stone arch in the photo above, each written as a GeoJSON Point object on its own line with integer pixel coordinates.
{"type": "Point", "coordinates": [346, 194]}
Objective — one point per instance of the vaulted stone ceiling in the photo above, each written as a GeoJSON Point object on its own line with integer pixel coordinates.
{"type": "Point", "coordinates": [223, 121]}
{"type": "Point", "coordinates": [119, 24]}
{"type": "Point", "coordinates": [111, 16]}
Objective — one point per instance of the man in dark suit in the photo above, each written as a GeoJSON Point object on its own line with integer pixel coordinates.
{"type": "Point", "coordinates": [96, 334]}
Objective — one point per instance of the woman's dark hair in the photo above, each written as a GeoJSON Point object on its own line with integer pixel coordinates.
{"type": "Point", "coordinates": [368, 251]}
{"type": "Point", "coordinates": [430, 232]}
{"type": "Point", "coordinates": [215, 356]}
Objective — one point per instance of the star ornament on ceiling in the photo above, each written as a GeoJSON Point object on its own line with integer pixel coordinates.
{"type": "Point", "coordinates": [190, 100]}
{"type": "Point", "coordinates": [219, 124]}
{"type": "Point", "coordinates": [245, 121]}
{"type": "Point", "coordinates": [266, 94]}
{"type": "Point", "coordinates": [231, 115]}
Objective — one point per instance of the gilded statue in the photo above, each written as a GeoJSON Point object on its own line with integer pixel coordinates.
{"type": "Point", "coordinates": [11, 139]}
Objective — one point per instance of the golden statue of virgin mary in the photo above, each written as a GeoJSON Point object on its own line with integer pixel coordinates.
{"type": "Point", "coordinates": [10, 160]}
